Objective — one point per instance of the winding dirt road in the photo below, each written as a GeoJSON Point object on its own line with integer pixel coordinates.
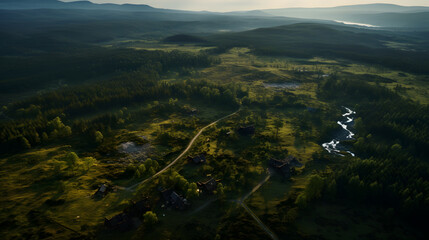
{"type": "Point", "coordinates": [131, 188]}
{"type": "Point", "coordinates": [240, 201]}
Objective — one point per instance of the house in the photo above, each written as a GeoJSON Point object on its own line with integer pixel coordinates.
{"type": "Point", "coordinates": [293, 161]}
{"type": "Point", "coordinates": [282, 167]}
{"type": "Point", "coordinates": [246, 131]}
{"type": "Point", "coordinates": [208, 186]}
{"type": "Point", "coordinates": [174, 200]}
{"type": "Point", "coordinates": [120, 222]}
{"type": "Point", "coordinates": [101, 191]}
{"type": "Point", "coordinates": [197, 159]}
{"type": "Point", "coordinates": [130, 217]}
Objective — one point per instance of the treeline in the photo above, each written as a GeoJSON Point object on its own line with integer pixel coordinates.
{"type": "Point", "coordinates": [27, 123]}
{"type": "Point", "coordinates": [409, 61]}
{"type": "Point", "coordinates": [20, 73]}
{"type": "Point", "coordinates": [276, 100]}
{"type": "Point", "coordinates": [393, 142]}
{"type": "Point", "coordinates": [309, 40]}
{"type": "Point", "coordinates": [30, 119]}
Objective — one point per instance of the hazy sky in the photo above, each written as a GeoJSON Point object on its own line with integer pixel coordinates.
{"type": "Point", "coordinates": [232, 5]}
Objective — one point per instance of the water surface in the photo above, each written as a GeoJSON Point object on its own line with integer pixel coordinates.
{"type": "Point", "coordinates": [346, 122]}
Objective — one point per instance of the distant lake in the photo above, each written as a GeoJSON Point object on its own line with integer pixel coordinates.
{"type": "Point", "coordinates": [357, 24]}
{"type": "Point", "coordinates": [282, 85]}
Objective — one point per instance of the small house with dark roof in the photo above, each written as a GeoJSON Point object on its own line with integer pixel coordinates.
{"type": "Point", "coordinates": [246, 131]}
{"type": "Point", "coordinates": [282, 167]}
{"type": "Point", "coordinates": [130, 218]}
{"type": "Point", "coordinates": [208, 186]}
{"type": "Point", "coordinates": [101, 191]}
{"type": "Point", "coordinates": [174, 200]}
{"type": "Point", "coordinates": [199, 159]}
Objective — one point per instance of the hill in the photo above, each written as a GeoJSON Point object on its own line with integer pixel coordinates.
{"type": "Point", "coordinates": [382, 7]}
{"type": "Point", "coordinates": [383, 15]}
{"type": "Point", "coordinates": [35, 27]}
{"type": "Point", "coordinates": [55, 4]}
{"type": "Point", "coordinates": [311, 40]}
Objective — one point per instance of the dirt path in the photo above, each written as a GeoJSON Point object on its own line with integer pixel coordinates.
{"type": "Point", "coordinates": [131, 188]}
{"type": "Point", "coordinates": [256, 187]}
{"type": "Point", "coordinates": [260, 223]}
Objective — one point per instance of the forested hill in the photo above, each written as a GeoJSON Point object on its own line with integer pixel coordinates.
{"type": "Point", "coordinates": [95, 26]}
{"type": "Point", "coordinates": [308, 33]}
{"type": "Point", "coordinates": [382, 15]}
{"type": "Point", "coordinates": [309, 40]}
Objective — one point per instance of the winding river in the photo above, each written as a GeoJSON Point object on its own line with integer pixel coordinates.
{"type": "Point", "coordinates": [346, 123]}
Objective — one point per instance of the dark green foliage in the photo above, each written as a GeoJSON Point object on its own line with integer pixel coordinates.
{"type": "Point", "coordinates": [393, 135]}
{"type": "Point", "coordinates": [310, 40]}
{"type": "Point", "coordinates": [183, 38]}
{"type": "Point", "coordinates": [20, 74]}
{"type": "Point", "coordinates": [353, 90]}
{"type": "Point", "coordinates": [389, 118]}
{"type": "Point", "coordinates": [240, 225]}
{"type": "Point", "coordinates": [150, 218]}
{"type": "Point", "coordinates": [312, 191]}
{"type": "Point", "coordinates": [138, 83]}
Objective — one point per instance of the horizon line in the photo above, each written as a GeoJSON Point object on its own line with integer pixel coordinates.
{"type": "Point", "coordinates": [256, 9]}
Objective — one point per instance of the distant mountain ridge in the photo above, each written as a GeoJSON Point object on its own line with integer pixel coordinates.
{"type": "Point", "coordinates": [376, 7]}
{"type": "Point", "coordinates": [56, 4]}
{"type": "Point", "coordinates": [382, 7]}
{"type": "Point", "coordinates": [382, 15]}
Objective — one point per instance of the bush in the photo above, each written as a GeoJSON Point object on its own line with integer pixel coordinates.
{"type": "Point", "coordinates": [98, 137]}
{"type": "Point", "coordinates": [150, 218]}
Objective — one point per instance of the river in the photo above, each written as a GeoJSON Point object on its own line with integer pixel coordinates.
{"type": "Point", "coordinates": [346, 122]}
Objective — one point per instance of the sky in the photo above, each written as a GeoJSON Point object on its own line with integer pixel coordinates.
{"type": "Point", "coordinates": [236, 5]}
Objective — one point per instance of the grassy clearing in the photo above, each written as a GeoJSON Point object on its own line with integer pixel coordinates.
{"type": "Point", "coordinates": [156, 45]}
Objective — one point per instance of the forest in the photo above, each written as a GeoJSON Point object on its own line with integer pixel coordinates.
{"type": "Point", "coordinates": [135, 122]}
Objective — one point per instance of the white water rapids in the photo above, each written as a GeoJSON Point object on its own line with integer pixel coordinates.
{"type": "Point", "coordinates": [347, 121]}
